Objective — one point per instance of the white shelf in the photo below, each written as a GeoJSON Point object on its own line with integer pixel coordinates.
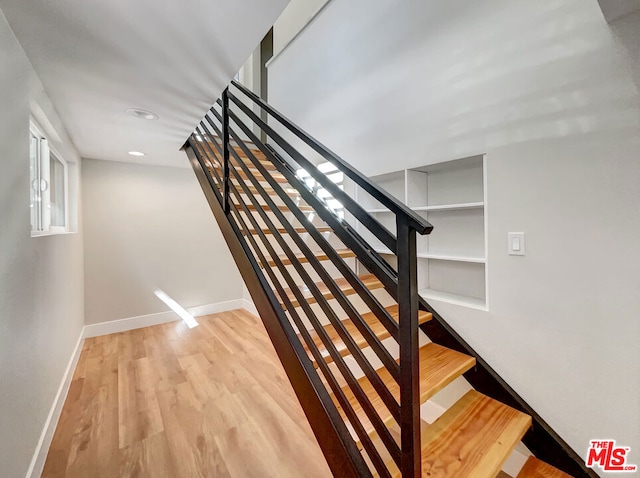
{"type": "Point", "coordinates": [444, 257]}
{"type": "Point", "coordinates": [452, 262]}
{"type": "Point", "coordinates": [377, 210]}
{"type": "Point", "coordinates": [450, 207]}
{"type": "Point", "coordinates": [455, 299]}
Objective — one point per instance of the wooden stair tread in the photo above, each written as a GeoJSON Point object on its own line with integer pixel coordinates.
{"type": "Point", "coordinates": [268, 189]}
{"type": "Point", "coordinates": [369, 280]}
{"type": "Point", "coordinates": [216, 160]}
{"type": "Point", "coordinates": [299, 230]}
{"type": "Point", "coordinates": [256, 152]}
{"type": "Point", "coordinates": [472, 439]}
{"type": "Point", "coordinates": [372, 321]}
{"type": "Point", "coordinates": [321, 256]}
{"type": "Point", "coordinates": [264, 207]}
{"type": "Point", "coordinates": [534, 468]}
{"type": "Point", "coordinates": [239, 172]}
{"type": "Point", "coordinates": [439, 366]}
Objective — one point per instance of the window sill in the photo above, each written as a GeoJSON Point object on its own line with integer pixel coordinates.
{"type": "Point", "coordinates": [51, 233]}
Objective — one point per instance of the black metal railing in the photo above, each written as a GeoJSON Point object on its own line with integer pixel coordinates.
{"type": "Point", "coordinates": [259, 190]}
{"type": "Point", "coordinates": [257, 193]}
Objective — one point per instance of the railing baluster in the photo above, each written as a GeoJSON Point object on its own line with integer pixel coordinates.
{"type": "Point", "coordinates": [409, 360]}
{"type": "Point", "coordinates": [225, 148]}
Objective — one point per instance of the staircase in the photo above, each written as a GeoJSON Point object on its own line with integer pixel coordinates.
{"type": "Point", "coordinates": [345, 322]}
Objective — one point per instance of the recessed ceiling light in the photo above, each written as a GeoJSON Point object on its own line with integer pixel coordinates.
{"type": "Point", "coordinates": [142, 114]}
{"type": "Point", "coordinates": [136, 153]}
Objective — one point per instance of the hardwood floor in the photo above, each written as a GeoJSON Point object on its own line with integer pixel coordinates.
{"type": "Point", "coordinates": [168, 401]}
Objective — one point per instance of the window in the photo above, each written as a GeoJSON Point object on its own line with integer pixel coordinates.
{"type": "Point", "coordinates": [49, 192]}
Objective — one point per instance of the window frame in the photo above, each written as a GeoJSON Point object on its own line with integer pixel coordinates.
{"type": "Point", "coordinates": [45, 153]}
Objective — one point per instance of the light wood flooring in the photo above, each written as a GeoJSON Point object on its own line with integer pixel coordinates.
{"type": "Point", "coordinates": [167, 401]}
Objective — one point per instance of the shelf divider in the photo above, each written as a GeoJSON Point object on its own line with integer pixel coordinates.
{"type": "Point", "coordinates": [445, 257]}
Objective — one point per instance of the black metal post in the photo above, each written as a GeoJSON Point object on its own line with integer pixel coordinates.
{"type": "Point", "coordinates": [225, 148]}
{"type": "Point", "coordinates": [409, 360]}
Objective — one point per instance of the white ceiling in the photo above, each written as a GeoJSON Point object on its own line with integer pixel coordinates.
{"type": "Point", "coordinates": [96, 58]}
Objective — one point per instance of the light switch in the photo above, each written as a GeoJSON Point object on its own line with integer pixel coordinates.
{"type": "Point", "coordinates": [516, 243]}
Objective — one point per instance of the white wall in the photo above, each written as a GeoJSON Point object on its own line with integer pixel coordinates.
{"type": "Point", "coordinates": [293, 19]}
{"type": "Point", "coordinates": [150, 227]}
{"type": "Point", "coordinates": [541, 89]}
{"type": "Point", "coordinates": [41, 285]}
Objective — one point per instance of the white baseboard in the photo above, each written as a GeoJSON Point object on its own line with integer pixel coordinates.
{"type": "Point", "coordinates": [132, 323]}
{"type": "Point", "coordinates": [250, 306]}
{"type": "Point", "coordinates": [42, 449]}
{"type": "Point", "coordinates": [216, 308]}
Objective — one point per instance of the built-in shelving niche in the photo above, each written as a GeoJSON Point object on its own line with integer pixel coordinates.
{"type": "Point", "coordinates": [452, 265]}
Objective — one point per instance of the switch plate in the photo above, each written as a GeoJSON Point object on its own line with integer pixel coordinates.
{"type": "Point", "coordinates": [516, 243]}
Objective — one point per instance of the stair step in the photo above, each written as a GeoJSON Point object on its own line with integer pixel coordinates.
{"type": "Point", "coordinates": [472, 439]}
{"type": "Point", "coordinates": [282, 230]}
{"type": "Point", "coordinates": [259, 156]}
{"type": "Point", "coordinates": [283, 208]}
{"type": "Point", "coordinates": [375, 325]}
{"type": "Point", "coordinates": [535, 468]}
{"type": "Point", "coordinates": [439, 366]}
{"type": "Point", "coordinates": [321, 256]}
{"type": "Point", "coordinates": [257, 153]}
{"type": "Point", "coordinates": [239, 172]}
{"type": "Point", "coordinates": [269, 190]}
{"type": "Point", "coordinates": [369, 280]}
